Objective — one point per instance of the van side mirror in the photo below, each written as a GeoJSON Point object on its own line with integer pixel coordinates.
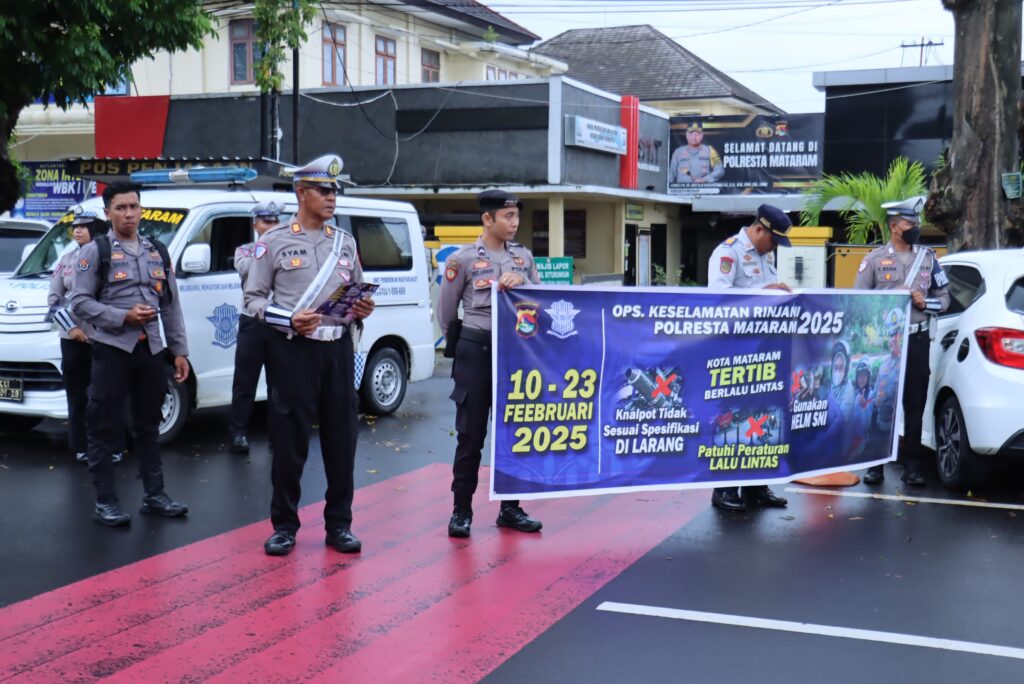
{"type": "Point", "coordinates": [196, 259]}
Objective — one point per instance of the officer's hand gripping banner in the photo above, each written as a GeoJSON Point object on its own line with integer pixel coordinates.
{"type": "Point", "coordinates": [600, 390]}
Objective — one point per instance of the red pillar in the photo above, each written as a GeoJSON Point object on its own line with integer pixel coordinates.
{"type": "Point", "coordinates": [629, 163]}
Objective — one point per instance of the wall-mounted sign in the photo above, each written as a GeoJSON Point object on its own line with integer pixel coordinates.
{"type": "Point", "coordinates": [554, 270]}
{"type": "Point", "coordinates": [634, 212]}
{"type": "Point", "coordinates": [751, 154]}
{"type": "Point", "coordinates": [595, 135]}
{"type": "Point", "coordinates": [52, 191]}
{"type": "Point", "coordinates": [649, 149]}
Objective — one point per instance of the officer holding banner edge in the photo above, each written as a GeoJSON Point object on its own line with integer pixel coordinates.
{"type": "Point", "coordinates": [251, 348]}
{"type": "Point", "coordinates": [468, 275]}
{"type": "Point", "coordinates": [295, 268]}
{"type": "Point", "coordinates": [903, 264]}
{"type": "Point", "coordinates": [747, 260]}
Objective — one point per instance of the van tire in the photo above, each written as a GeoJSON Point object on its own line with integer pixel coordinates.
{"type": "Point", "coordinates": [10, 422]}
{"type": "Point", "coordinates": [384, 382]}
{"type": "Point", "coordinates": [174, 412]}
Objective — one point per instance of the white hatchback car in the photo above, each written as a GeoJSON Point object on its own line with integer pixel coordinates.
{"type": "Point", "coordinates": [977, 362]}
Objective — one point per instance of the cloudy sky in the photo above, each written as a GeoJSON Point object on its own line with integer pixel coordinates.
{"type": "Point", "coordinates": [772, 46]}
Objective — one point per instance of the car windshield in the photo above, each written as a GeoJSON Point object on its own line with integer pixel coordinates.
{"type": "Point", "coordinates": [12, 244]}
{"type": "Point", "coordinates": [159, 224]}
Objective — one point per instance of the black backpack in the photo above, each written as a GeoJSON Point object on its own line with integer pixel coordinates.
{"type": "Point", "coordinates": [103, 246]}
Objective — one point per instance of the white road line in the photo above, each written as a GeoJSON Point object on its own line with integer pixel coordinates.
{"type": "Point", "coordinates": [816, 630]}
{"type": "Point", "coordinates": [914, 499]}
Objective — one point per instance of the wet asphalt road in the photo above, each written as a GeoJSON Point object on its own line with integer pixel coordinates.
{"type": "Point", "coordinates": [928, 570]}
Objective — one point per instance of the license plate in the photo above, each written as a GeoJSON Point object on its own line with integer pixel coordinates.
{"type": "Point", "coordinates": [10, 390]}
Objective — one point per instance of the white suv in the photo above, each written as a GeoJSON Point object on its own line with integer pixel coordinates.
{"type": "Point", "coordinates": [201, 228]}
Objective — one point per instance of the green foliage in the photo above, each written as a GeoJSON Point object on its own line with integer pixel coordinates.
{"type": "Point", "coordinates": [68, 50]}
{"type": "Point", "coordinates": [490, 35]}
{"type": "Point", "coordinates": [660, 277]}
{"type": "Point", "coordinates": [280, 26]}
{"type": "Point", "coordinates": [862, 196]}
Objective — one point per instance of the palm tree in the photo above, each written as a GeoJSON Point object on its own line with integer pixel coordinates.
{"type": "Point", "coordinates": [863, 195]}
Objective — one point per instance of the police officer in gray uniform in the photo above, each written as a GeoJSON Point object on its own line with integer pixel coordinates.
{"type": "Point", "coordinates": [75, 352]}
{"type": "Point", "coordinates": [695, 162]}
{"type": "Point", "coordinates": [468, 274]}
{"type": "Point", "coordinates": [251, 347]}
{"type": "Point", "coordinates": [903, 264]}
{"type": "Point", "coordinates": [126, 292]}
{"type": "Point", "coordinates": [295, 268]}
{"type": "Point", "coordinates": [747, 260]}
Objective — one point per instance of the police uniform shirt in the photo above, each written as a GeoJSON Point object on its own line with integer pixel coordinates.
{"type": "Point", "coordinates": [468, 275]}
{"type": "Point", "coordinates": [737, 263]}
{"type": "Point", "coordinates": [242, 262]}
{"type": "Point", "coordinates": [884, 395]}
{"type": "Point", "coordinates": [690, 163]}
{"type": "Point", "coordinates": [885, 268]}
{"type": "Point", "coordinates": [60, 289]}
{"type": "Point", "coordinates": [284, 263]}
{"type": "Point", "coordinates": [133, 279]}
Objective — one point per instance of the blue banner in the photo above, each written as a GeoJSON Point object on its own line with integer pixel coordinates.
{"type": "Point", "coordinates": [51, 192]}
{"type": "Point", "coordinates": [601, 390]}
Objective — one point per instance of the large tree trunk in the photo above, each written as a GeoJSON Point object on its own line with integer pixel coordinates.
{"type": "Point", "coordinates": [967, 199]}
{"type": "Point", "coordinates": [10, 188]}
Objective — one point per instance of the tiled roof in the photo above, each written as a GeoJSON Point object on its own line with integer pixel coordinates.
{"type": "Point", "coordinates": [643, 62]}
{"type": "Point", "coordinates": [477, 13]}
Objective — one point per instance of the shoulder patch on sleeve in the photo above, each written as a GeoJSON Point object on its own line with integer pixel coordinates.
{"type": "Point", "coordinates": [863, 265]}
{"type": "Point", "coordinates": [451, 270]}
{"type": "Point", "coordinates": [259, 250]}
{"type": "Point", "coordinates": [726, 264]}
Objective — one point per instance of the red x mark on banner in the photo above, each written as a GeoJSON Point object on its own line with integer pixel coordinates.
{"type": "Point", "coordinates": [663, 386]}
{"type": "Point", "coordinates": [755, 426]}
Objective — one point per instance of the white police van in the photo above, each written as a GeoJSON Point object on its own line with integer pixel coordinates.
{"type": "Point", "coordinates": [202, 228]}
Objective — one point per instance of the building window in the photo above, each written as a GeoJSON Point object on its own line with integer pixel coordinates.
{"type": "Point", "coordinates": [387, 53]}
{"type": "Point", "coordinates": [496, 74]}
{"type": "Point", "coordinates": [492, 73]}
{"type": "Point", "coordinates": [334, 54]}
{"type": "Point", "coordinates": [575, 233]}
{"type": "Point", "coordinates": [431, 63]}
{"type": "Point", "coordinates": [245, 53]}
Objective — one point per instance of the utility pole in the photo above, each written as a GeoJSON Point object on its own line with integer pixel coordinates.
{"type": "Point", "coordinates": [922, 45]}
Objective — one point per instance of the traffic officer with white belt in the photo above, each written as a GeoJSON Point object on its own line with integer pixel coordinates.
{"type": "Point", "coordinates": [127, 292]}
{"type": "Point", "coordinates": [295, 268]}
{"type": "Point", "coordinates": [903, 264]}
{"type": "Point", "coordinates": [747, 260]}
{"type": "Point", "coordinates": [75, 351]}
{"type": "Point", "coordinates": [251, 347]}
{"type": "Point", "coordinates": [468, 275]}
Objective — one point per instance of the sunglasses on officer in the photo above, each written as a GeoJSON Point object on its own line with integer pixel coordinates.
{"type": "Point", "coordinates": [321, 190]}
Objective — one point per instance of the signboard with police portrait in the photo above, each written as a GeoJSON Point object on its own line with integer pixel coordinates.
{"type": "Point", "coordinates": [750, 154]}
{"type": "Point", "coordinates": [604, 390]}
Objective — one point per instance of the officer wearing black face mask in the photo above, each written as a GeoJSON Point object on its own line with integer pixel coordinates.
{"type": "Point", "coordinates": [904, 264]}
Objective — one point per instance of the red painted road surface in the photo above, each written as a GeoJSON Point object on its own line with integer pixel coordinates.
{"type": "Point", "coordinates": [414, 606]}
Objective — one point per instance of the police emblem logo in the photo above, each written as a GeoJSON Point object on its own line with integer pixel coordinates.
{"type": "Point", "coordinates": [481, 283]}
{"type": "Point", "coordinates": [526, 319]}
{"type": "Point", "coordinates": [83, 264]}
{"type": "Point", "coordinates": [518, 261]}
{"type": "Point", "coordinates": [888, 276]}
{"type": "Point", "coordinates": [451, 271]}
{"type": "Point", "coordinates": [747, 257]}
{"type": "Point", "coordinates": [764, 131]}
{"type": "Point", "coordinates": [158, 287]}
{"type": "Point", "coordinates": [159, 273]}
{"type": "Point", "coordinates": [781, 129]}
{"type": "Point", "coordinates": [335, 167]}
{"type": "Point", "coordinates": [225, 325]}
{"type": "Point", "coordinates": [296, 262]}
{"type": "Point", "coordinates": [296, 228]}
{"type": "Point", "coordinates": [562, 314]}
{"type": "Point", "coordinates": [120, 275]}
{"type": "Point", "coordinates": [726, 265]}
{"type": "Point", "coordinates": [260, 250]}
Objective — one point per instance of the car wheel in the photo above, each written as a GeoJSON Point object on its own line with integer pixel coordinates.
{"type": "Point", "coordinates": [174, 411]}
{"type": "Point", "coordinates": [384, 382]}
{"type": "Point", "coordinates": [10, 422]}
{"type": "Point", "coordinates": [955, 459]}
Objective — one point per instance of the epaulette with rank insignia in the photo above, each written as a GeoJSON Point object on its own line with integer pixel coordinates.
{"type": "Point", "coordinates": [729, 241]}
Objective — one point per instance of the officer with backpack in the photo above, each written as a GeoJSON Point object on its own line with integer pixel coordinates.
{"type": "Point", "coordinates": [125, 288]}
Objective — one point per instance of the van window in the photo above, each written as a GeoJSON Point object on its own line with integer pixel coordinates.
{"type": "Point", "coordinates": [224, 233]}
{"type": "Point", "coordinates": [156, 223]}
{"type": "Point", "coordinates": [965, 286]}
{"type": "Point", "coordinates": [1015, 297]}
{"type": "Point", "coordinates": [384, 243]}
